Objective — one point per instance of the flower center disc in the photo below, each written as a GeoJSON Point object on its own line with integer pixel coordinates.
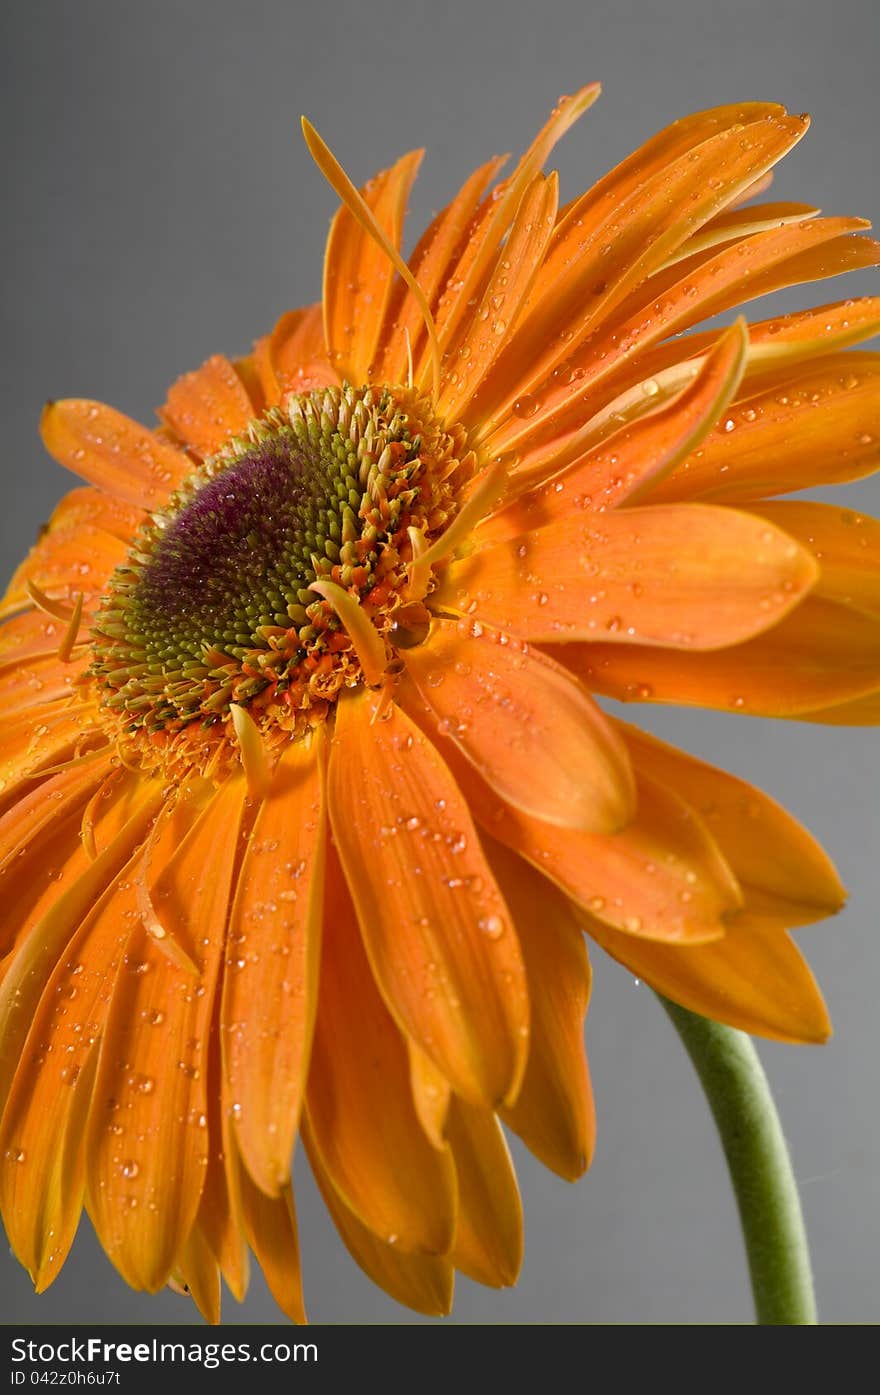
{"type": "Point", "coordinates": [213, 606]}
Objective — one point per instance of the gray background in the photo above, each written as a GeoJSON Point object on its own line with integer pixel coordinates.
{"type": "Point", "coordinates": [160, 206]}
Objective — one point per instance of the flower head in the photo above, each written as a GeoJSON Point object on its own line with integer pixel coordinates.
{"type": "Point", "coordinates": [306, 796]}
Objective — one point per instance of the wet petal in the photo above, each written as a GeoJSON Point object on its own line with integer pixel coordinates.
{"type": "Point", "coordinates": [437, 931]}
{"type": "Point", "coordinates": [293, 357]}
{"type": "Point", "coordinates": [663, 876]}
{"type": "Point", "coordinates": [553, 1113]}
{"type": "Point", "coordinates": [846, 544]}
{"type": "Point", "coordinates": [63, 563]}
{"type": "Point", "coordinates": [113, 452]}
{"type": "Point", "coordinates": [818, 427]}
{"type": "Point", "coordinates": [821, 655]}
{"type": "Point", "coordinates": [684, 577]}
{"type": "Point", "coordinates": [208, 406]}
{"type": "Point", "coordinates": [537, 738]}
{"type": "Point", "coordinates": [422, 1282]}
{"type": "Point", "coordinates": [769, 851]}
{"type": "Point", "coordinates": [148, 1137]}
{"type": "Point", "coordinates": [750, 979]}
{"type": "Point", "coordinates": [271, 979]}
{"type": "Point", "coordinates": [358, 275]}
{"type": "Point", "coordinates": [362, 1118]}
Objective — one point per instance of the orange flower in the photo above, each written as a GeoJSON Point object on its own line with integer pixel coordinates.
{"type": "Point", "coordinates": [305, 797]}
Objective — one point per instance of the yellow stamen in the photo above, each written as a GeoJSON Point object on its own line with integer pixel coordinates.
{"type": "Point", "coordinates": [87, 824]}
{"type": "Point", "coordinates": [158, 932]}
{"type": "Point", "coordinates": [490, 487]}
{"type": "Point", "coordinates": [340, 182]}
{"type": "Point", "coordinates": [368, 643]}
{"type": "Point", "coordinates": [409, 359]}
{"type": "Point", "coordinates": [66, 647]}
{"type": "Point", "coordinates": [57, 609]}
{"type": "Point", "coordinates": [253, 751]}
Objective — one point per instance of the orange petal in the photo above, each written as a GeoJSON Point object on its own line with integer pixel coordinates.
{"type": "Point", "coordinates": [750, 979]}
{"type": "Point", "coordinates": [736, 223]}
{"type": "Point", "coordinates": [431, 263]}
{"type": "Point", "coordinates": [270, 984]}
{"type": "Point", "coordinates": [220, 1211]}
{"type": "Point", "coordinates": [53, 1002]}
{"type": "Point", "coordinates": [293, 357]}
{"type": "Point", "coordinates": [358, 276]}
{"type": "Point", "coordinates": [45, 806]}
{"type": "Point", "coordinates": [151, 1082]}
{"type": "Point", "coordinates": [663, 877]}
{"type": "Point", "coordinates": [553, 1113]}
{"type": "Point", "coordinates": [437, 932]}
{"type": "Point", "coordinates": [623, 468]}
{"type": "Point", "coordinates": [469, 276]}
{"type": "Point", "coordinates": [30, 744]}
{"type": "Point", "coordinates": [489, 1234]}
{"type": "Point", "coordinates": [85, 505]}
{"type": "Point", "coordinates": [513, 713]}
{"type": "Point", "coordinates": [594, 268]}
{"type": "Point", "coordinates": [431, 1094]}
{"type": "Point", "coordinates": [846, 545]}
{"type": "Point", "coordinates": [769, 851]}
{"type": "Point", "coordinates": [484, 335]}
{"type": "Point", "coordinates": [113, 452]}
{"type": "Point", "coordinates": [198, 1270]}
{"type": "Point", "coordinates": [421, 1282]}
{"type": "Point", "coordinates": [819, 427]}
{"type": "Point", "coordinates": [863, 712]}
{"type": "Point", "coordinates": [685, 577]}
{"type": "Point", "coordinates": [64, 562]}
{"type": "Point", "coordinates": [206, 407]}
{"type": "Point", "coordinates": [821, 655]}
{"type": "Point", "coordinates": [362, 1119]}
{"type": "Point", "coordinates": [272, 1233]}
{"type": "Point", "coordinates": [29, 636]}
{"type": "Point", "coordinates": [735, 275]}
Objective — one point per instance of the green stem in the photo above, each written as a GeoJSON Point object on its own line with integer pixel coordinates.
{"type": "Point", "coordinates": [760, 1168]}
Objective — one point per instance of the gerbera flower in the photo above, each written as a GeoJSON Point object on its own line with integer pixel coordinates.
{"type": "Point", "coordinates": [306, 799]}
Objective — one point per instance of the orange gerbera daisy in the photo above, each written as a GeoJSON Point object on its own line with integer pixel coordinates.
{"type": "Point", "coordinates": [305, 797]}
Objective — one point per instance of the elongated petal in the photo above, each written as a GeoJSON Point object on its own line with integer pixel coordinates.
{"type": "Point", "coordinates": [148, 1138]}
{"type": "Point", "coordinates": [750, 979]}
{"type": "Point", "coordinates": [538, 739]}
{"type": "Point", "coordinates": [768, 850]}
{"type": "Point", "coordinates": [818, 427]}
{"type": "Point", "coordinates": [357, 273]}
{"type": "Point", "coordinates": [421, 1282]}
{"type": "Point", "coordinates": [271, 1228]}
{"type": "Point", "coordinates": [663, 877]}
{"type": "Point", "coordinates": [273, 951]}
{"type": "Point", "coordinates": [113, 452]}
{"type": "Point", "coordinates": [483, 336]}
{"type": "Point", "coordinates": [438, 934]}
{"type": "Point", "coordinates": [846, 544]}
{"type": "Point", "coordinates": [686, 577]}
{"type": "Point", "coordinates": [634, 459]}
{"type": "Point", "coordinates": [431, 263]}
{"type": "Point", "coordinates": [53, 1004]}
{"type": "Point", "coordinates": [431, 1093]}
{"type": "Point", "coordinates": [489, 1235]}
{"type": "Point", "coordinates": [553, 1112]}
{"type": "Point", "coordinates": [362, 1118]}
{"type": "Point", "coordinates": [470, 274]}
{"type": "Point", "coordinates": [596, 269]}
{"type": "Point", "coordinates": [821, 655]}
{"type": "Point", "coordinates": [862, 712]}
{"type": "Point", "coordinates": [206, 407]}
